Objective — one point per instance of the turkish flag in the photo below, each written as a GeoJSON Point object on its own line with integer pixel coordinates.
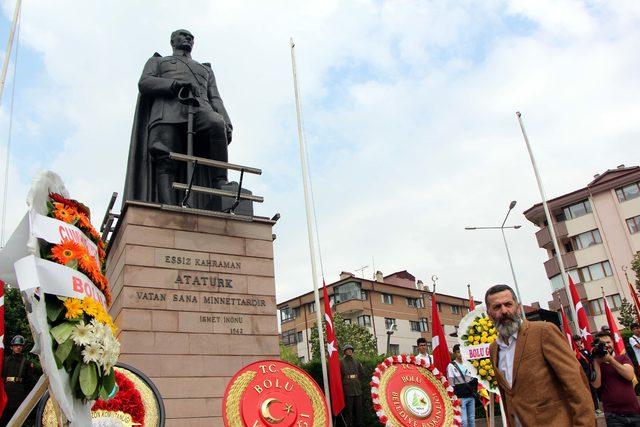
{"type": "Point", "coordinates": [635, 301]}
{"type": "Point", "coordinates": [335, 376]}
{"type": "Point", "coordinates": [618, 344]}
{"type": "Point", "coordinates": [567, 330]}
{"type": "Point", "coordinates": [3, 394]}
{"type": "Point", "coordinates": [441, 356]}
{"type": "Point", "coordinates": [583, 322]}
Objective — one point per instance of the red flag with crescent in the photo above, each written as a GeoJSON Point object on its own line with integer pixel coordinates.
{"type": "Point", "coordinates": [618, 343]}
{"type": "Point", "coordinates": [3, 394]}
{"type": "Point", "coordinates": [441, 356]}
{"type": "Point", "coordinates": [335, 376]}
{"type": "Point", "coordinates": [583, 322]}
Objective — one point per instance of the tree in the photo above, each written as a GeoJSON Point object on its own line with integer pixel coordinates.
{"type": "Point", "coordinates": [288, 354]}
{"type": "Point", "coordinates": [359, 337]}
{"type": "Point", "coordinates": [15, 317]}
{"type": "Point", "coordinates": [635, 266]}
{"type": "Point", "coordinates": [628, 314]}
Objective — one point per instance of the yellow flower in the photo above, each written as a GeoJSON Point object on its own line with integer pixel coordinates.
{"type": "Point", "coordinates": [482, 372]}
{"type": "Point", "coordinates": [483, 340]}
{"type": "Point", "coordinates": [91, 306]}
{"type": "Point", "coordinates": [475, 363]}
{"type": "Point", "coordinates": [484, 334]}
{"type": "Point", "coordinates": [73, 307]}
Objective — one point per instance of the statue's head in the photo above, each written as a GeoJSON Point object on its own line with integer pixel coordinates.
{"type": "Point", "coordinates": [182, 39]}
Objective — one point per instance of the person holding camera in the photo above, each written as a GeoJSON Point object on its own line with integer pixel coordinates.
{"type": "Point", "coordinates": [584, 358]}
{"type": "Point", "coordinates": [464, 386]}
{"type": "Point", "coordinates": [613, 376]}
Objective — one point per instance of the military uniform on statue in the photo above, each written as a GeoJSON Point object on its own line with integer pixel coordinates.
{"type": "Point", "coordinates": [166, 86]}
{"type": "Point", "coordinates": [352, 373]}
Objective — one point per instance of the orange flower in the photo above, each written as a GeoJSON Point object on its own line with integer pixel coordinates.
{"type": "Point", "coordinates": [63, 213]}
{"type": "Point", "coordinates": [74, 308]}
{"type": "Point", "coordinates": [66, 251]}
{"type": "Point", "coordinates": [86, 262]}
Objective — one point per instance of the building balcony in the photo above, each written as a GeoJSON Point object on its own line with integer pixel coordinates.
{"type": "Point", "coordinates": [351, 307]}
{"type": "Point", "coordinates": [551, 266]}
{"type": "Point", "coordinates": [544, 235]}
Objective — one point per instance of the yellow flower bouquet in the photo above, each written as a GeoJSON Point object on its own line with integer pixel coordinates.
{"type": "Point", "coordinates": [479, 333]}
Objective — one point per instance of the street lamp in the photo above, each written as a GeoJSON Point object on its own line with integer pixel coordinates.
{"type": "Point", "coordinates": [502, 227]}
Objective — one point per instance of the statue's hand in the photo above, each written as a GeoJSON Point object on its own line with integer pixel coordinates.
{"type": "Point", "coordinates": [229, 130]}
{"type": "Point", "coordinates": [179, 84]}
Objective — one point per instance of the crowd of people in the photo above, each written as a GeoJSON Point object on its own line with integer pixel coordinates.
{"type": "Point", "coordinates": [542, 381]}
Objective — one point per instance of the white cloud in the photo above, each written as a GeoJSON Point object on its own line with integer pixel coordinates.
{"type": "Point", "coordinates": [409, 112]}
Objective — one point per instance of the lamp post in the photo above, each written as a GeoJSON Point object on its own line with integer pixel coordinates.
{"type": "Point", "coordinates": [502, 227]}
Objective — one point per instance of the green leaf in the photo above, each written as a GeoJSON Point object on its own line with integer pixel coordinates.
{"type": "Point", "coordinates": [54, 308]}
{"type": "Point", "coordinates": [72, 264]}
{"type": "Point", "coordinates": [88, 379]}
{"type": "Point", "coordinates": [63, 350]}
{"type": "Point", "coordinates": [75, 376]}
{"type": "Point", "coordinates": [62, 332]}
{"type": "Point", "coordinates": [109, 382]}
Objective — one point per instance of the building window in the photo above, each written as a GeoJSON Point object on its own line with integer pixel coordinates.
{"type": "Point", "coordinates": [557, 283]}
{"type": "Point", "coordinates": [415, 302]}
{"type": "Point", "coordinates": [596, 271]}
{"type": "Point", "coordinates": [577, 210]}
{"type": "Point", "coordinates": [288, 313]}
{"type": "Point", "coordinates": [590, 238]}
{"type": "Point", "coordinates": [364, 295]}
{"type": "Point", "coordinates": [628, 192]}
{"type": "Point", "coordinates": [597, 307]}
{"type": "Point", "coordinates": [299, 336]}
{"type": "Point", "coordinates": [614, 302]}
{"type": "Point", "coordinates": [301, 359]}
{"type": "Point", "coordinates": [634, 224]}
{"type": "Point", "coordinates": [425, 323]}
{"type": "Point", "coordinates": [439, 307]}
{"type": "Point", "coordinates": [429, 347]}
{"type": "Point", "coordinates": [348, 291]}
{"type": "Point", "coordinates": [347, 321]}
{"type": "Point", "coordinates": [289, 337]}
{"type": "Point", "coordinates": [455, 309]}
{"type": "Point", "coordinates": [364, 320]}
{"type": "Point", "coordinates": [395, 349]}
{"type": "Point", "coordinates": [387, 298]}
{"type": "Point", "coordinates": [389, 322]}
{"type": "Point", "coordinates": [311, 307]}
{"type": "Point", "coordinates": [414, 326]}
{"type": "Point", "coordinates": [414, 349]}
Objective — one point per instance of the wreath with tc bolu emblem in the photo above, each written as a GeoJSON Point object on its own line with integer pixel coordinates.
{"type": "Point", "coordinates": [406, 390]}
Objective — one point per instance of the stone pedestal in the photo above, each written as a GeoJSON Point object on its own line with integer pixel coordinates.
{"type": "Point", "coordinates": [194, 301]}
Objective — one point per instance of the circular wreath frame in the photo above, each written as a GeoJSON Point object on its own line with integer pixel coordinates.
{"type": "Point", "coordinates": [413, 360]}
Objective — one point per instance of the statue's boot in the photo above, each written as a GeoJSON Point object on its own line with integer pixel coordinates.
{"type": "Point", "coordinates": [166, 194]}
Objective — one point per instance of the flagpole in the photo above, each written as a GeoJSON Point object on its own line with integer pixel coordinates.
{"type": "Point", "coordinates": [7, 56]}
{"type": "Point", "coordinates": [547, 214]}
{"type": "Point", "coordinates": [309, 210]}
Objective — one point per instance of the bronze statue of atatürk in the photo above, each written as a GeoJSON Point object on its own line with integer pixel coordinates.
{"type": "Point", "coordinates": [160, 127]}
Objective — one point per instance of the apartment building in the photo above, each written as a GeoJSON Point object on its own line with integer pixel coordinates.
{"type": "Point", "coordinates": [598, 230]}
{"type": "Point", "coordinates": [397, 299]}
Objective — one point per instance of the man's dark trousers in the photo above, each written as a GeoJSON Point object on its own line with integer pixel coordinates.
{"type": "Point", "coordinates": [353, 411]}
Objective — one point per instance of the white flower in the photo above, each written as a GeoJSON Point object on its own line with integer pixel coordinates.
{"type": "Point", "coordinates": [99, 330]}
{"type": "Point", "coordinates": [82, 334]}
{"type": "Point", "coordinates": [92, 353]}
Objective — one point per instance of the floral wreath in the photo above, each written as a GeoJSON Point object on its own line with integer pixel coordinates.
{"type": "Point", "coordinates": [421, 362]}
{"type": "Point", "coordinates": [479, 329]}
{"type": "Point", "coordinates": [127, 400]}
{"type": "Point", "coordinates": [83, 332]}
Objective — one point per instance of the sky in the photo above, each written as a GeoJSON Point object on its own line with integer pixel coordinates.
{"type": "Point", "coordinates": [409, 114]}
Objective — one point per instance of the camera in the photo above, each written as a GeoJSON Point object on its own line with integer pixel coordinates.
{"type": "Point", "coordinates": [599, 349]}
